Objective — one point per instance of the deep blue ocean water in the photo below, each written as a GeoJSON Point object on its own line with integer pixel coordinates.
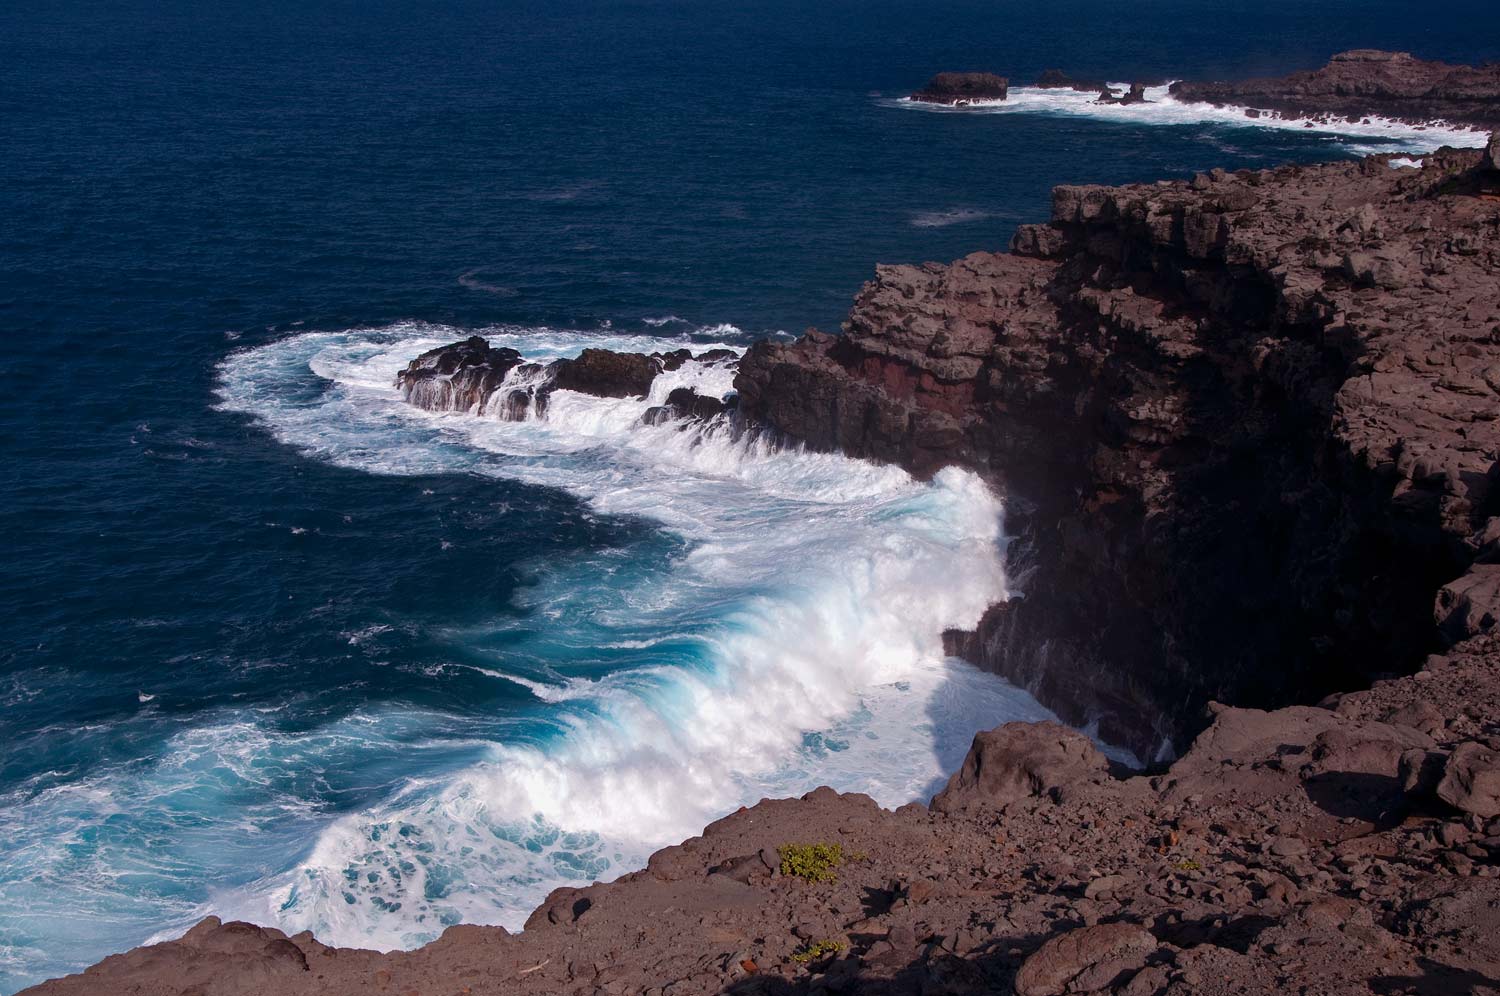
{"type": "Point", "coordinates": [275, 646]}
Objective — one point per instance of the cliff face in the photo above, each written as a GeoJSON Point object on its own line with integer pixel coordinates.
{"type": "Point", "coordinates": [1246, 424]}
{"type": "Point", "coordinates": [1368, 82]}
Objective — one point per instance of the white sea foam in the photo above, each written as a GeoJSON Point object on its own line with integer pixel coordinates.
{"type": "Point", "coordinates": [1366, 136]}
{"type": "Point", "coordinates": [791, 639]}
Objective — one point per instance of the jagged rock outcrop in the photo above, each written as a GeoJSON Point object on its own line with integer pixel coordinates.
{"type": "Point", "coordinates": [1135, 95]}
{"type": "Point", "coordinates": [472, 376]}
{"type": "Point", "coordinates": [1367, 82]}
{"type": "Point", "coordinates": [1056, 79]}
{"type": "Point", "coordinates": [1247, 424]}
{"type": "Point", "coordinates": [962, 88]}
{"type": "Point", "coordinates": [462, 376]}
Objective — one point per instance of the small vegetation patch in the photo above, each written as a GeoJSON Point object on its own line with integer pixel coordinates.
{"type": "Point", "coordinates": [1188, 865]}
{"type": "Point", "coordinates": [817, 950]}
{"type": "Point", "coordinates": [812, 862]}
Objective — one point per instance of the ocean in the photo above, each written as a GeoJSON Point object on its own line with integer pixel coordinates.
{"type": "Point", "coordinates": [277, 646]}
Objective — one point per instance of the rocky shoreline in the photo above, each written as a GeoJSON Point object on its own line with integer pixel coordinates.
{"type": "Point", "coordinates": [1248, 428]}
{"type": "Point", "coordinates": [1353, 86]}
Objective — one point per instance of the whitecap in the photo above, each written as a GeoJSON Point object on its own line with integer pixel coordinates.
{"type": "Point", "coordinates": [1161, 109]}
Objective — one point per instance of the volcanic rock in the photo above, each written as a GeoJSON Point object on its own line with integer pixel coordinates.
{"type": "Point", "coordinates": [461, 376]}
{"type": "Point", "coordinates": [1367, 82]}
{"type": "Point", "coordinates": [1056, 79]}
{"type": "Point", "coordinates": [962, 88]}
{"type": "Point", "coordinates": [684, 403]}
{"type": "Point", "coordinates": [1310, 349]}
{"type": "Point", "coordinates": [607, 374]}
{"type": "Point", "coordinates": [1471, 780]}
{"type": "Point", "coordinates": [1021, 760]}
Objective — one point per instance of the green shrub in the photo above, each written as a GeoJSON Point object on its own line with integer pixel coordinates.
{"type": "Point", "coordinates": [816, 950]}
{"type": "Point", "coordinates": [812, 862]}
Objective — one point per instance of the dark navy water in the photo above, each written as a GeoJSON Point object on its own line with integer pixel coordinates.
{"type": "Point", "coordinates": [274, 647]}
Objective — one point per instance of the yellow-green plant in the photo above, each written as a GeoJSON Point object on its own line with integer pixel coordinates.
{"type": "Point", "coordinates": [816, 950]}
{"type": "Point", "coordinates": [812, 862]}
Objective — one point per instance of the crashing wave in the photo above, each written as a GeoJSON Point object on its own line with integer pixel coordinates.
{"type": "Point", "coordinates": [1366, 135]}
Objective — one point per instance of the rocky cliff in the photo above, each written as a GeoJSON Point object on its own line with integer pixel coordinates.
{"type": "Point", "coordinates": [1368, 82]}
{"type": "Point", "coordinates": [1247, 426]}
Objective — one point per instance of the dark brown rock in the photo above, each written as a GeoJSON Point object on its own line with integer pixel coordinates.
{"type": "Point", "coordinates": [1311, 349]}
{"type": "Point", "coordinates": [962, 88]}
{"type": "Point", "coordinates": [607, 374]}
{"type": "Point", "coordinates": [463, 376]}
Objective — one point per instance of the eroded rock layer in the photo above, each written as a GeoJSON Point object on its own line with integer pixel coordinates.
{"type": "Point", "coordinates": [1247, 424]}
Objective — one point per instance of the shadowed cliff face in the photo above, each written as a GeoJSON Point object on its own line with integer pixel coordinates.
{"type": "Point", "coordinates": [1246, 425]}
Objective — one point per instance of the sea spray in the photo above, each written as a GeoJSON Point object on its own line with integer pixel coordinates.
{"type": "Point", "coordinates": [796, 635]}
{"type": "Point", "coordinates": [1161, 109]}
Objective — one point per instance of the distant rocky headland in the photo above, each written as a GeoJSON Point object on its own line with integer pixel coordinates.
{"type": "Point", "coordinates": [1354, 85]}
{"type": "Point", "coordinates": [1248, 428]}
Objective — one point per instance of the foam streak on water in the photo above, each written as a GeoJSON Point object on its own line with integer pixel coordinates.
{"type": "Point", "coordinates": [1369, 135]}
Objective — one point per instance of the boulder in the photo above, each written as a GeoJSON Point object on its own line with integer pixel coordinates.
{"type": "Point", "coordinates": [1491, 160]}
{"type": "Point", "coordinates": [1018, 761]}
{"type": "Point", "coordinates": [1085, 960]}
{"type": "Point", "coordinates": [957, 89]}
{"type": "Point", "coordinates": [1470, 605]}
{"type": "Point", "coordinates": [1471, 780]}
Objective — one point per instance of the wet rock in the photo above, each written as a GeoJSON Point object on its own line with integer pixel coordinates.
{"type": "Point", "coordinates": [1056, 79]}
{"type": "Point", "coordinates": [962, 88]}
{"type": "Point", "coordinates": [607, 374]}
{"type": "Point", "coordinates": [462, 376]}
